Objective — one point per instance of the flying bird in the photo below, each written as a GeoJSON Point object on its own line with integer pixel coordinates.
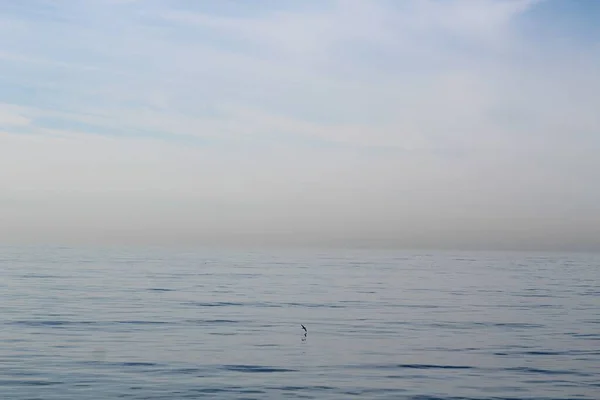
{"type": "Point", "coordinates": [303, 327]}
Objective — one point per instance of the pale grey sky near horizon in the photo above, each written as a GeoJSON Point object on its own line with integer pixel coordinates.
{"type": "Point", "coordinates": [439, 124]}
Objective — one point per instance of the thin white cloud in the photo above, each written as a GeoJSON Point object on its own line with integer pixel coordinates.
{"type": "Point", "coordinates": [11, 115]}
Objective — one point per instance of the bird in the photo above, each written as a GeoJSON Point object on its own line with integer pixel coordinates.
{"type": "Point", "coordinates": [303, 327]}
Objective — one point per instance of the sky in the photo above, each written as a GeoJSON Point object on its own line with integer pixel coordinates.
{"type": "Point", "coordinates": [414, 124]}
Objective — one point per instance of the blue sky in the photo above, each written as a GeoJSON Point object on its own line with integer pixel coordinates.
{"type": "Point", "coordinates": [358, 116]}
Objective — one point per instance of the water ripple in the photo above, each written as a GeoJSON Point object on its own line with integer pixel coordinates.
{"type": "Point", "coordinates": [137, 324]}
{"type": "Point", "coordinates": [255, 368]}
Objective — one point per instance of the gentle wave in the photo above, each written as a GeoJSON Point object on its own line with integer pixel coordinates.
{"type": "Point", "coordinates": [255, 368]}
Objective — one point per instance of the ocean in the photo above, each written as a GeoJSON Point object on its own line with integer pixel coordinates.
{"type": "Point", "coordinates": [226, 324]}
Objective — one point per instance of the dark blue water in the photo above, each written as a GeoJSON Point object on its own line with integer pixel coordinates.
{"type": "Point", "coordinates": [83, 324]}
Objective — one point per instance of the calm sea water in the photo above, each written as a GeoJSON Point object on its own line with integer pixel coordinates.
{"type": "Point", "coordinates": [133, 324]}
